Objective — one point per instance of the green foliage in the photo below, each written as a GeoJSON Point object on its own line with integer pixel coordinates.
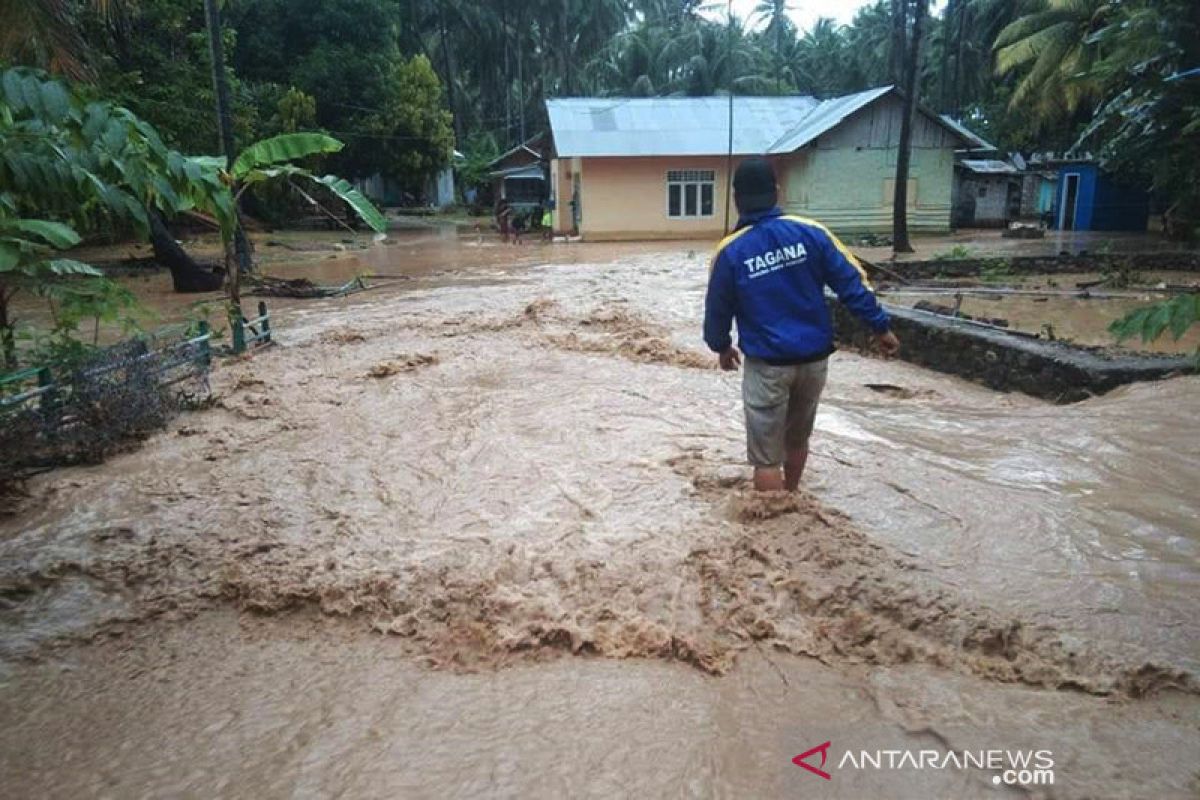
{"type": "Point", "coordinates": [412, 135]}
{"type": "Point", "coordinates": [89, 162]}
{"type": "Point", "coordinates": [995, 270]}
{"type": "Point", "coordinates": [480, 150]}
{"type": "Point", "coordinates": [1026, 74]}
{"type": "Point", "coordinates": [153, 59]}
{"type": "Point", "coordinates": [1148, 128]}
{"type": "Point", "coordinates": [283, 148]}
{"type": "Point", "coordinates": [1121, 273]}
{"type": "Point", "coordinates": [1150, 322]}
{"type": "Point", "coordinates": [956, 253]}
{"type": "Point", "coordinates": [1049, 46]}
{"type": "Point", "coordinates": [28, 262]}
{"type": "Point", "coordinates": [296, 111]}
{"type": "Point", "coordinates": [353, 198]}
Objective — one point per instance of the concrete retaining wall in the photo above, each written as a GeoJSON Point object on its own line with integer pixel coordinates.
{"type": "Point", "coordinates": [1032, 265]}
{"type": "Point", "coordinates": [1055, 371]}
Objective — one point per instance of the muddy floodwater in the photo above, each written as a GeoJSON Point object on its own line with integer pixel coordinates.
{"type": "Point", "coordinates": [486, 531]}
{"type": "Point", "coordinates": [1053, 306]}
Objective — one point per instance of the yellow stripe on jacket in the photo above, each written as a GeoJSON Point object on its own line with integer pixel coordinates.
{"type": "Point", "coordinates": [845, 251]}
{"type": "Point", "coordinates": [721, 245]}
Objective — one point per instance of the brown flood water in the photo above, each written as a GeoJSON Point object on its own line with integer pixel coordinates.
{"type": "Point", "coordinates": [489, 534]}
{"type": "Point", "coordinates": [1078, 320]}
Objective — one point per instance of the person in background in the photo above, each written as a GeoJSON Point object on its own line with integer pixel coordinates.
{"type": "Point", "coordinates": [503, 213]}
{"type": "Point", "coordinates": [547, 223]}
{"type": "Point", "coordinates": [770, 276]}
{"type": "Point", "coordinates": [519, 223]}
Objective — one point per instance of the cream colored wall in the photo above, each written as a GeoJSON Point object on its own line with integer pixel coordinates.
{"type": "Point", "coordinates": [562, 183]}
{"type": "Point", "coordinates": [626, 198]}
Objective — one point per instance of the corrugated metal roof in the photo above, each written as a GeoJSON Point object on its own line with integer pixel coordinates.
{"type": "Point", "coordinates": [699, 126]}
{"type": "Point", "coordinates": [976, 141]}
{"type": "Point", "coordinates": [824, 117]}
{"type": "Point", "coordinates": [989, 166]}
{"type": "Point", "coordinates": [671, 126]}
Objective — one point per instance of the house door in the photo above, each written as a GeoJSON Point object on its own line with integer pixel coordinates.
{"type": "Point", "coordinates": [1066, 214]}
{"type": "Point", "coordinates": [576, 204]}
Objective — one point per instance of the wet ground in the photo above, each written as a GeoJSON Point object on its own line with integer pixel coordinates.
{"type": "Point", "coordinates": [489, 533]}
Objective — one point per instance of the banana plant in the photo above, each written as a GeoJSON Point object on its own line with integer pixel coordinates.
{"type": "Point", "coordinates": [96, 166]}
{"type": "Point", "coordinates": [271, 159]}
{"type": "Point", "coordinates": [28, 262]}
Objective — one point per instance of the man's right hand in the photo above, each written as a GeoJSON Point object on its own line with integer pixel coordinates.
{"type": "Point", "coordinates": [730, 359]}
{"type": "Point", "coordinates": [889, 345]}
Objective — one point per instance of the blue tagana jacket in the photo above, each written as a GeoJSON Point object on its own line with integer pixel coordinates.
{"type": "Point", "coordinates": [770, 275]}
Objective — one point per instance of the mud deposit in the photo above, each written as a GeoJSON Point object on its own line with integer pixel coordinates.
{"type": "Point", "coordinates": [480, 476]}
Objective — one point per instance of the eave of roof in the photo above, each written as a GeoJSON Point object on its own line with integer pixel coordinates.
{"type": "Point", "coordinates": [976, 141]}
{"type": "Point", "coordinates": [988, 166]}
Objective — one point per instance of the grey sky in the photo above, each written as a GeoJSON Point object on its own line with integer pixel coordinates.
{"type": "Point", "coordinates": [805, 12]}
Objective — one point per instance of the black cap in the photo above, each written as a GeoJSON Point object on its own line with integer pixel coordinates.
{"type": "Point", "coordinates": [754, 185]}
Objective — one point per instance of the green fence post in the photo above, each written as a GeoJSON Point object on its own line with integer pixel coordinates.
{"type": "Point", "coordinates": [266, 321]}
{"type": "Point", "coordinates": [238, 329]}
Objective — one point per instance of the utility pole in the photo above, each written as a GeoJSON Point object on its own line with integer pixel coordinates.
{"type": "Point", "coordinates": [729, 154]}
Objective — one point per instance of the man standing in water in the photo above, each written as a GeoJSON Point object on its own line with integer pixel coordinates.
{"type": "Point", "coordinates": [770, 275]}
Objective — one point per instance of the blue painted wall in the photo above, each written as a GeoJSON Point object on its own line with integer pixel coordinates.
{"type": "Point", "coordinates": [1102, 204]}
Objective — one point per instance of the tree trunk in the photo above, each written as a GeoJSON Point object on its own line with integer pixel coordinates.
{"type": "Point", "coordinates": [212, 15]}
{"type": "Point", "coordinates": [507, 80]}
{"type": "Point", "coordinates": [900, 243]}
{"type": "Point", "coordinates": [186, 275]}
{"type": "Point", "coordinates": [520, 84]}
{"type": "Point", "coordinates": [451, 92]}
{"type": "Point", "coordinates": [8, 344]}
{"type": "Point", "coordinates": [961, 38]}
{"type": "Point", "coordinates": [944, 97]}
{"type": "Point", "coordinates": [564, 24]}
{"type": "Point", "coordinates": [899, 26]}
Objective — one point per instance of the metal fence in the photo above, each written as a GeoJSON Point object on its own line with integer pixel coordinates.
{"type": "Point", "coordinates": [83, 413]}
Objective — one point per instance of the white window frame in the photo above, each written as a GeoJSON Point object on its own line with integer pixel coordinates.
{"type": "Point", "coordinates": [690, 177]}
{"type": "Point", "coordinates": [1062, 208]}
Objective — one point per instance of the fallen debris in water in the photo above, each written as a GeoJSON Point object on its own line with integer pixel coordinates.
{"type": "Point", "coordinates": [952, 311]}
{"type": "Point", "coordinates": [268, 286]}
{"type": "Point", "coordinates": [403, 363]}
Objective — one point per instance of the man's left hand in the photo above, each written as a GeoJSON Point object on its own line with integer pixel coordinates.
{"type": "Point", "coordinates": [730, 359]}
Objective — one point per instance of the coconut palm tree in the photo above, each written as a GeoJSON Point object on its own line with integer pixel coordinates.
{"type": "Point", "coordinates": [900, 243]}
{"type": "Point", "coordinates": [822, 59]}
{"type": "Point", "coordinates": [1049, 48]}
{"type": "Point", "coordinates": [45, 33]}
{"type": "Point", "coordinates": [779, 31]}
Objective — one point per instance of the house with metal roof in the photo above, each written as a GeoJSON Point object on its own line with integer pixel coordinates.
{"type": "Point", "coordinates": [986, 193]}
{"type": "Point", "coordinates": [652, 168]}
{"type": "Point", "coordinates": [519, 175]}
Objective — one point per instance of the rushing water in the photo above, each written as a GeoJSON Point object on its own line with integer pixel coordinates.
{"type": "Point", "coordinates": [488, 469]}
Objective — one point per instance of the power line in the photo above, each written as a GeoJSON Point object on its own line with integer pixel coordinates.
{"type": "Point", "coordinates": [729, 155]}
